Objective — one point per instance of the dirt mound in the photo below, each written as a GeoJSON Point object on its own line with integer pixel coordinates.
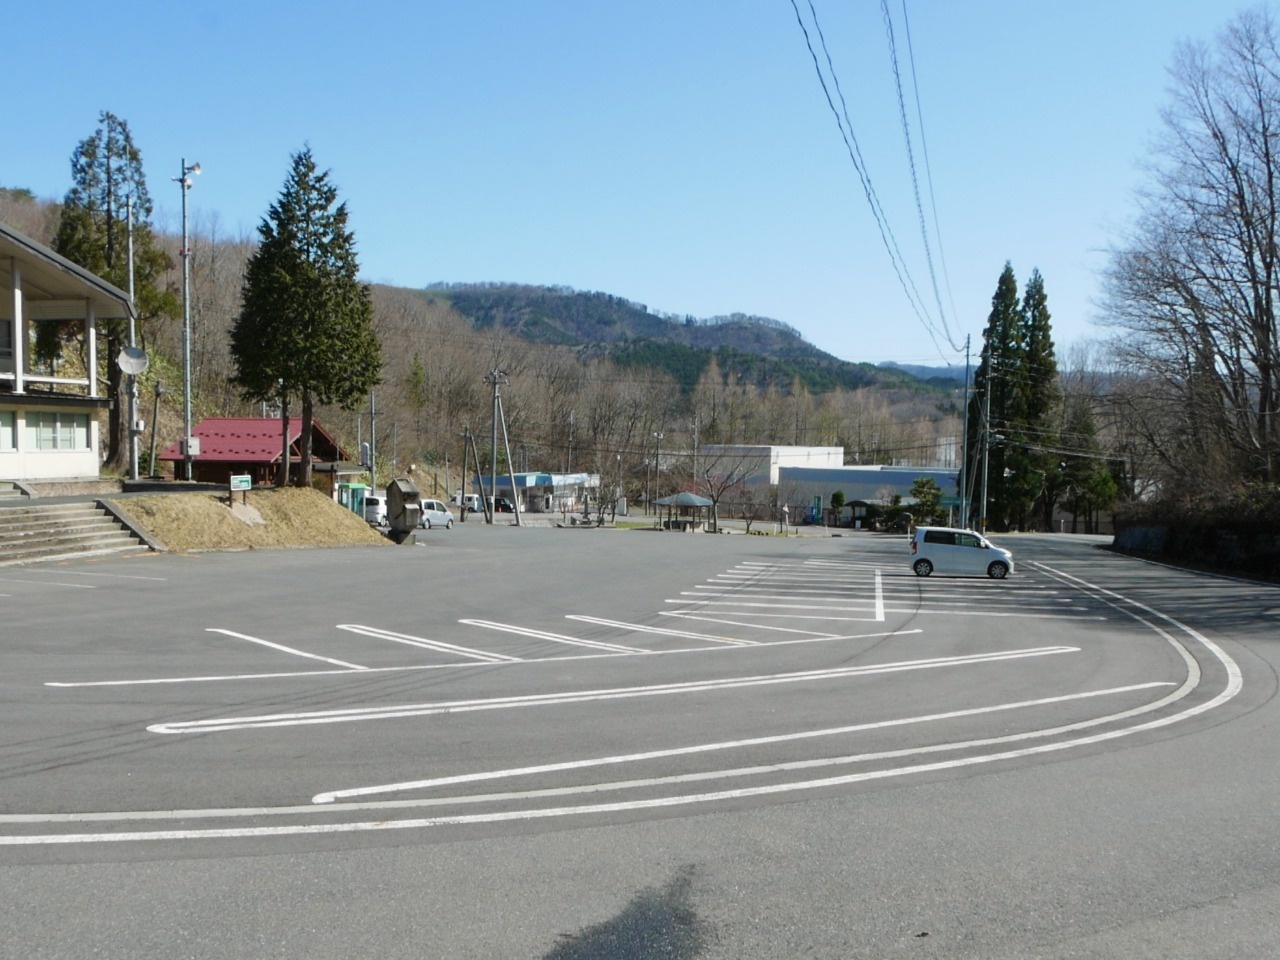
{"type": "Point", "coordinates": [273, 519]}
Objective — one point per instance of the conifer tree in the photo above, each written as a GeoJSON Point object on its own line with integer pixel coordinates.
{"type": "Point", "coordinates": [1038, 466]}
{"type": "Point", "coordinates": [305, 331]}
{"type": "Point", "coordinates": [106, 172]}
{"type": "Point", "coordinates": [1003, 355]}
{"type": "Point", "coordinates": [1020, 372]}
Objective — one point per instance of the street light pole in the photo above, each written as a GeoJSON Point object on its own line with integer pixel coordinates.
{"type": "Point", "coordinates": [185, 181]}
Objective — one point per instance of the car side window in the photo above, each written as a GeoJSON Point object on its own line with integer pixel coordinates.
{"type": "Point", "coordinates": [967, 540]}
{"type": "Point", "coordinates": [939, 536]}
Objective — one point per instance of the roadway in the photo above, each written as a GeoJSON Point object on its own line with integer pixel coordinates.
{"type": "Point", "coordinates": [526, 742]}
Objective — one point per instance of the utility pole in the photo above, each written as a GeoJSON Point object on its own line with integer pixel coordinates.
{"type": "Point", "coordinates": [657, 464]}
{"type": "Point", "coordinates": [695, 446]}
{"type": "Point", "coordinates": [495, 379]}
{"type": "Point", "coordinates": [964, 462]}
{"type": "Point", "coordinates": [373, 443]}
{"type": "Point", "coordinates": [462, 486]}
{"type": "Point", "coordinates": [133, 345]}
{"type": "Point", "coordinates": [986, 438]}
{"type": "Point", "coordinates": [568, 464]}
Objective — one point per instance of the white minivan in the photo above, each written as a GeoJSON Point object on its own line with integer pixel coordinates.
{"type": "Point", "coordinates": [948, 550]}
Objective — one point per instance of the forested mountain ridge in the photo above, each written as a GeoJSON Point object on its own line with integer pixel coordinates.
{"type": "Point", "coordinates": [756, 350]}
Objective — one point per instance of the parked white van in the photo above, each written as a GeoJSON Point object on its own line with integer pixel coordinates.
{"type": "Point", "coordinates": [948, 550]}
{"type": "Point", "coordinates": [375, 509]}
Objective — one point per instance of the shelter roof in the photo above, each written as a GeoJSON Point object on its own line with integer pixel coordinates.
{"type": "Point", "coordinates": [247, 439]}
{"type": "Point", "coordinates": [683, 499]}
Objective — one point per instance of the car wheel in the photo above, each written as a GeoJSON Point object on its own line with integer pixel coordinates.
{"type": "Point", "coordinates": [922, 568]}
{"type": "Point", "coordinates": [998, 570]}
{"type": "Point", "coordinates": [449, 525]}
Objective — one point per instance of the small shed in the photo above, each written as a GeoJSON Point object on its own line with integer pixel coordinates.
{"type": "Point", "coordinates": [254, 445]}
{"type": "Point", "coordinates": [684, 511]}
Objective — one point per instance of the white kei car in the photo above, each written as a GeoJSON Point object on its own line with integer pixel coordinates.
{"type": "Point", "coordinates": [433, 513]}
{"type": "Point", "coordinates": [948, 550]}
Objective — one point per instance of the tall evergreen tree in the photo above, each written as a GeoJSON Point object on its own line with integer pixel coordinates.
{"type": "Point", "coordinates": [106, 171]}
{"type": "Point", "coordinates": [1038, 465]}
{"type": "Point", "coordinates": [998, 374]}
{"type": "Point", "coordinates": [305, 331]}
{"type": "Point", "coordinates": [1019, 371]}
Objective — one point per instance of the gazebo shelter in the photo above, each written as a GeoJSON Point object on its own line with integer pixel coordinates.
{"type": "Point", "coordinates": [685, 511]}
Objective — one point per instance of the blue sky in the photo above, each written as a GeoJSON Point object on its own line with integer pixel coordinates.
{"type": "Point", "coordinates": [675, 152]}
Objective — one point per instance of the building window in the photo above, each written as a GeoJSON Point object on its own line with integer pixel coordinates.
{"type": "Point", "coordinates": [8, 439]}
{"type": "Point", "coordinates": [57, 431]}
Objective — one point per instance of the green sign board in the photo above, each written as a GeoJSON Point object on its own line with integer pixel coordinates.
{"type": "Point", "coordinates": [241, 481]}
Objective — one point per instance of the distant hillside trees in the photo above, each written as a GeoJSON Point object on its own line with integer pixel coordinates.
{"type": "Point", "coordinates": [305, 330]}
{"type": "Point", "coordinates": [106, 173]}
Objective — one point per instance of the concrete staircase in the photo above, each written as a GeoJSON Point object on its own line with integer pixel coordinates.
{"type": "Point", "coordinates": [31, 531]}
{"type": "Point", "coordinates": [10, 492]}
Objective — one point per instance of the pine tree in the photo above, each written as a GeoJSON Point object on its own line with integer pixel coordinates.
{"type": "Point", "coordinates": [106, 172]}
{"type": "Point", "coordinates": [305, 331]}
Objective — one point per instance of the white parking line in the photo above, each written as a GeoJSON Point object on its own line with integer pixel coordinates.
{"type": "Point", "coordinates": [642, 628]}
{"type": "Point", "coordinates": [948, 612]}
{"type": "Point", "coordinates": [554, 637]}
{"type": "Point", "coordinates": [810, 636]}
{"type": "Point", "coordinates": [112, 576]}
{"type": "Point", "coordinates": [439, 646]}
{"type": "Point", "coordinates": [284, 649]}
{"type": "Point", "coordinates": [357, 714]}
{"type": "Point", "coordinates": [49, 583]}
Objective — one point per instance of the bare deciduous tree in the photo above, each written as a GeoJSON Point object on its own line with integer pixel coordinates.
{"type": "Point", "coordinates": [1192, 291]}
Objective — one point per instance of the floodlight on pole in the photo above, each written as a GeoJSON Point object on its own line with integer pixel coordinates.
{"type": "Point", "coordinates": [185, 182]}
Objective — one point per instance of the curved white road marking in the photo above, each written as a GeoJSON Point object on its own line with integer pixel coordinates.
{"type": "Point", "coordinates": [355, 714]}
{"type": "Point", "coordinates": [1230, 689]}
{"type": "Point", "coordinates": [332, 795]}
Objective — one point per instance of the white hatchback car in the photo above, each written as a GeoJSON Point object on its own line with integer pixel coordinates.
{"type": "Point", "coordinates": [948, 550]}
{"type": "Point", "coordinates": [434, 514]}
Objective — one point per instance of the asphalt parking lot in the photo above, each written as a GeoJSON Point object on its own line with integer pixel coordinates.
{"type": "Point", "coordinates": [501, 686]}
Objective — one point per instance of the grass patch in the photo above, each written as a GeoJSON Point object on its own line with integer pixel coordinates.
{"type": "Point", "coordinates": [276, 519]}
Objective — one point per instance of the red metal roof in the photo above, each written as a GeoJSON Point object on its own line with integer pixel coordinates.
{"type": "Point", "coordinates": [248, 439]}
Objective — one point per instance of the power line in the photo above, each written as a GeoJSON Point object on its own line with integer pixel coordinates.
{"type": "Point", "coordinates": [845, 126]}
{"type": "Point", "coordinates": [911, 163]}
{"type": "Point", "coordinates": [924, 149]}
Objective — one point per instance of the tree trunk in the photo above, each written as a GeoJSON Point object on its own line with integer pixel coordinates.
{"type": "Point", "coordinates": [308, 413]}
{"type": "Point", "coordinates": [282, 478]}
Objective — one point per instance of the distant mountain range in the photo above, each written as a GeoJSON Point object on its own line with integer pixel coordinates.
{"type": "Point", "coordinates": [940, 374]}
{"type": "Point", "coordinates": [758, 350]}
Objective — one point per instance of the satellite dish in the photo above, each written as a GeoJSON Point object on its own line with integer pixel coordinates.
{"type": "Point", "coordinates": [132, 360]}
